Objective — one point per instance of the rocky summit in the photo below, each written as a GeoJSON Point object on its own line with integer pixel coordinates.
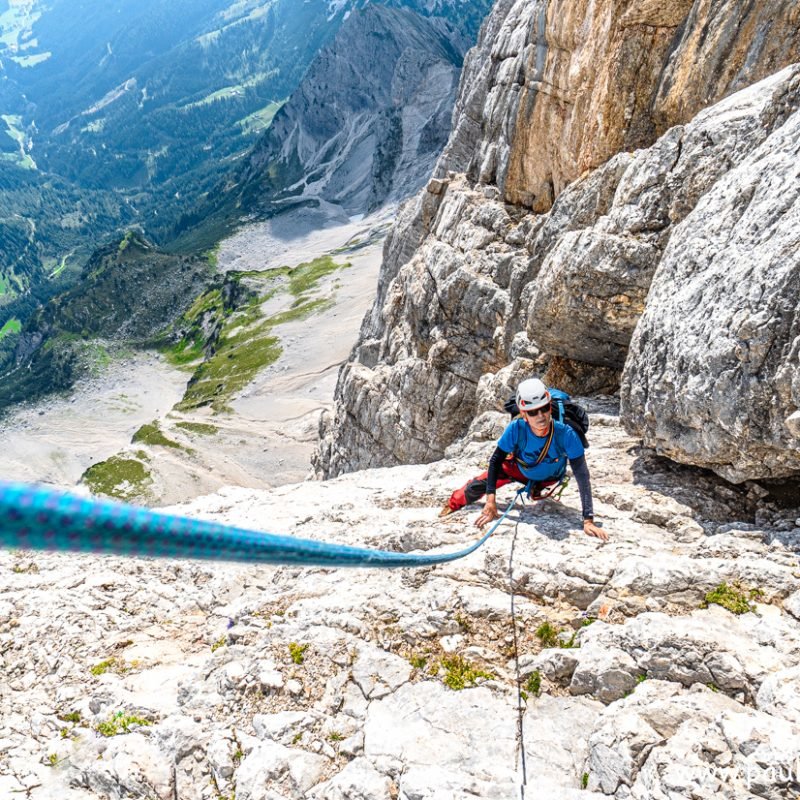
{"type": "Point", "coordinates": [660, 665]}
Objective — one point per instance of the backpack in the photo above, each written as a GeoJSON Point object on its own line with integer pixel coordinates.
{"type": "Point", "coordinates": [564, 410]}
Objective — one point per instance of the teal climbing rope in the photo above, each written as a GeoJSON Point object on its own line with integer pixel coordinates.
{"type": "Point", "coordinates": [38, 518]}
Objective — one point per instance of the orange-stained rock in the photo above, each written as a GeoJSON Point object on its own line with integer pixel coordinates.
{"type": "Point", "coordinates": [602, 77]}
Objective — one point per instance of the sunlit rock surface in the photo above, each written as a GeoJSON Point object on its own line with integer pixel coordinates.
{"type": "Point", "coordinates": [156, 679]}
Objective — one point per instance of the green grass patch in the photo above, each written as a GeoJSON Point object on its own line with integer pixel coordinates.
{"type": "Point", "coordinates": [122, 477]}
{"type": "Point", "coordinates": [57, 270]}
{"type": "Point", "coordinates": [547, 634]}
{"type": "Point", "coordinates": [12, 327]}
{"type": "Point", "coordinates": [221, 642]}
{"type": "Point", "coordinates": [307, 275]}
{"type": "Point", "coordinates": [200, 428]}
{"type": "Point", "coordinates": [121, 723]}
{"type": "Point", "coordinates": [228, 328]}
{"type": "Point", "coordinates": [187, 351]}
{"type": "Point", "coordinates": [246, 346]}
{"type": "Point", "coordinates": [212, 256]}
{"type": "Point", "coordinates": [733, 597]}
{"type": "Point", "coordinates": [207, 311]}
{"type": "Point", "coordinates": [124, 243]}
{"type": "Point", "coordinates": [460, 673]}
{"type": "Point", "coordinates": [152, 435]}
{"type": "Point", "coordinates": [260, 120]}
{"type": "Point", "coordinates": [95, 356]}
{"type": "Point", "coordinates": [237, 361]}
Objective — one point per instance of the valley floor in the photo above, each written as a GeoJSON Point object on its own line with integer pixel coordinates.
{"type": "Point", "coordinates": [267, 437]}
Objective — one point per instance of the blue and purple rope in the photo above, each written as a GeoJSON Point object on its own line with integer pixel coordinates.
{"type": "Point", "coordinates": [39, 518]}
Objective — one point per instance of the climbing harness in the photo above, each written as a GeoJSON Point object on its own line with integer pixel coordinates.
{"type": "Point", "coordinates": [38, 518]}
{"type": "Point", "coordinates": [554, 490]}
{"type": "Point", "coordinates": [542, 453]}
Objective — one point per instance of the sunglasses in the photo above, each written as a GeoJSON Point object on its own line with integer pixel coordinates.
{"type": "Point", "coordinates": [544, 411]}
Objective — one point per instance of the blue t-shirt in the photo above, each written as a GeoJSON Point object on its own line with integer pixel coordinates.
{"type": "Point", "coordinates": [525, 446]}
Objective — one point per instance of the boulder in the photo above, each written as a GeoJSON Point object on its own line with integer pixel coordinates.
{"type": "Point", "coordinates": [593, 284]}
{"type": "Point", "coordinates": [712, 374]}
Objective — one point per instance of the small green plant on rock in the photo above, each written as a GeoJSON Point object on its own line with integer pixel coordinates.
{"type": "Point", "coordinates": [52, 759]}
{"type": "Point", "coordinates": [417, 661]}
{"type": "Point", "coordinates": [102, 667]}
{"type": "Point", "coordinates": [534, 683]}
{"type": "Point", "coordinates": [297, 652]}
{"type": "Point", "coordinates": [219, 643]}
{"type": "Point", "coordinates": [585, 780]}
{"type": "Point", "coordinates": [120, 723]}
{"type": "Point", "coordinates": [459, 673]}
{"type": "Point", "coordinates": [731, 597]}
{"type": "Point", "coordinates": [119, 666]}
{"type": "Point", "coordinates": [547, 634]}
{"type": "Point", "coordinates": [463, 622]}
{"type": "Point", "coordinates": [335, 736]}
{"type": "Point", "coordinates": [71, 716]}
{"type": "Point", "coordinates": [569, 643]}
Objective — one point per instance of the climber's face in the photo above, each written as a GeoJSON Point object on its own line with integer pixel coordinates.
{"type": "Point", "coordinates": [539, 420]}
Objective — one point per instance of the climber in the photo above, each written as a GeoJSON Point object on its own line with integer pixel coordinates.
{"type": "Point", "coordinates": [534, 448]}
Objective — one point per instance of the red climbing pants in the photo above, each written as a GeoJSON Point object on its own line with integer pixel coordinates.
{"type": "Point", "coordinates": [474, 489]}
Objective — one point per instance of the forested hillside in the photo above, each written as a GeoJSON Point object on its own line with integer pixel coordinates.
{"type": "Point", "coordinates": [127, 116]}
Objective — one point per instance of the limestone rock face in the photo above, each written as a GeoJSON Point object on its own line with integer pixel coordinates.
{"type": "Point", "coordinates": [200, 680]}
{"type": "Point", "coordinates": [561, 87]}
{"type": "Point", "coordinates": [713, 373]}
{"type": "Point", "coordinates": [411, 392]}
{"type": "Point", "coordinates": [471, 284]}
{"type": "Point", "coordinates": [368, 121]}
{"type": "Point", "coordinates": [592, 287]}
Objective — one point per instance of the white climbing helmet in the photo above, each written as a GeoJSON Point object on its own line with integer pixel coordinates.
{"type": "Point", "coordinates": [531, 394]}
